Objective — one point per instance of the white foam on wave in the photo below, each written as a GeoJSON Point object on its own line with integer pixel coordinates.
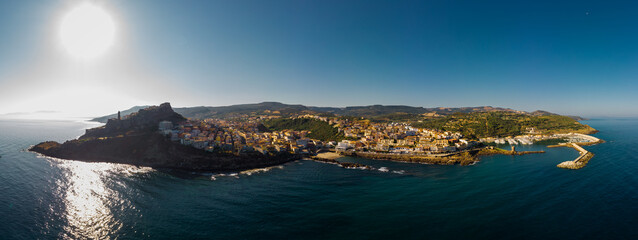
{"type": "Point", "coordinates": [134, 170]}
{"type": "Point", "coordinates": [399, 171]}
{"type": "Point", "coordinates": [215, 176]}
{"type": "Point", "coordinates": [360, 168]}
{"type": "Point", "coordinates": [384, 169]}
{"type": "Point", "coordinates": [260, 170]}
{"type": "Point", "coordinates": [245, 172]}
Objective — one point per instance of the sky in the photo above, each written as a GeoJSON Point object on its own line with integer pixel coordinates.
{"type": "Point", "coordinates": [567, 57]}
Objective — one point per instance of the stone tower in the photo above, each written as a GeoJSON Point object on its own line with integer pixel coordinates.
{"type": "Point", "coordinates": [118, 116]}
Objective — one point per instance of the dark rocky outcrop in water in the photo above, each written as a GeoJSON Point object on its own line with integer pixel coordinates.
{"type": "Point", "coordinates": [135, 141]}
{"type": "Point", "coordinates": [342, 164]}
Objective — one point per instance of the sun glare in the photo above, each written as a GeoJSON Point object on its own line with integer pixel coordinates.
{"type": "Point", "coordinates": [87, 31]}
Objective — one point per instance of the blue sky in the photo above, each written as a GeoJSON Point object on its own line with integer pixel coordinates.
{"type": "Point", "coordinates": [569, 57]}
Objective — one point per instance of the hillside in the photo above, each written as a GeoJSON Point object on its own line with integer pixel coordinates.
{"type": "Point", "coordinates": [143, 121]}
{"type": "Point", "coordinates": [318, 129]}
{"type": "Point", "coordinates": [380, 110]}
{"type": "Point", "coordinates": [374, 112]}
{"type": "Point", "coordinates": [122, 113]}
{"type": "Point", "coordinates": [499, 124]}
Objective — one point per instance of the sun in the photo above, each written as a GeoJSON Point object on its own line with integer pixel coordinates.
{"type": "Point", "coordinates": [87, 31]}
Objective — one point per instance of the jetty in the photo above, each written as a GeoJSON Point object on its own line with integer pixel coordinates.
{"type": "Point", "coordinates": [580, 161]}
{"type": "Point", "coordinates": [584, 156]}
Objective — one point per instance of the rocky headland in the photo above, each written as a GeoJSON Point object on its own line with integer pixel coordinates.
{"type": "Point", "coordinates": [332, 160]}
{"type": "Point", "coordinates": [136, 141]}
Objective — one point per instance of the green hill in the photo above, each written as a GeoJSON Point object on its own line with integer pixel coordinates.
{"type": "Point", "coordinates": [374, 112]}
{"type": "Point", "coordinates": [318, 129]}
{"type": "Point", "coordinates": [499, 124]}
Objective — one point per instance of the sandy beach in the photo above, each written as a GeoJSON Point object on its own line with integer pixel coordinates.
{"type": "Point", "coordinates": [328, 155]}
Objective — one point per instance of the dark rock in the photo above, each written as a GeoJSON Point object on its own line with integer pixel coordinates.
{"type": "Point", "coordinates": [144, 121]}
{"type": "Point", "coordinates": [135, 141]}
{"type": "Point", "coordinates": [342, 164]}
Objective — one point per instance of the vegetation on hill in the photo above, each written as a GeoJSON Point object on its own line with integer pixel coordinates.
{"type": "Point", "coordinates": [397, 117]}
{"type": "Point", "coordinates": [500, 124]}
{"type": "Point", "coordinates": [318, 129]}
{"type": "Point", "coordinates": [377, 113]}
{"type": "Point", "coordinates": [233, 111]}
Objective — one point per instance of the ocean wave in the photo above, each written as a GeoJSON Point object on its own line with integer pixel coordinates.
{"type": "Point", "coordinates": [360, 168]}
{"type": "Point", "coordinates": [215, 176]}
{"type": "Point", "coordinates": [384, 169]}
{"type": "Point", "coordinates": [260, 170]}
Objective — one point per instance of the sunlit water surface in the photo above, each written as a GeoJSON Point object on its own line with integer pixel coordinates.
{"type": "Point", "coordinates": [502, 197]}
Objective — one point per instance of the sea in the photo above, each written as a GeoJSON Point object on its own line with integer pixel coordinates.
{"type": "Point", "coordinates": [500, 197]}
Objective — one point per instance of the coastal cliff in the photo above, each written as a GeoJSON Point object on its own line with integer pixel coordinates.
{"type": "Point", "coordinates": [135, 141]}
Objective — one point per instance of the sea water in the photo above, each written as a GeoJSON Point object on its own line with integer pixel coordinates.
{"type": "Point", "coordinates": [501, 197]}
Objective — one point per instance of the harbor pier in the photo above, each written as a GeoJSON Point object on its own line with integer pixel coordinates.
{"type": "Point", "coordinates": [580, 161]}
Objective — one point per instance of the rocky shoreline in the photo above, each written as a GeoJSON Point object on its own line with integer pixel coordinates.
{"type": "Point", "coordinates": [498, 151]}
{"type": "Point", "coordinates": [135, 141]}
{"type": "Point", "coordinates": [348, 165]}
{"type": "Point", "coordinates": [154, 150]}
{"type": "Point", "coordinates": [465, 158]}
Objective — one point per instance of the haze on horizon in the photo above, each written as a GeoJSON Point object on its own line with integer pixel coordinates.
{"type": "Point", "coordinates": [569, 57]}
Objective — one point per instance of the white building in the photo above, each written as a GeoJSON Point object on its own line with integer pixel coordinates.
{"type": "Point", "coordinates": [165, 125]}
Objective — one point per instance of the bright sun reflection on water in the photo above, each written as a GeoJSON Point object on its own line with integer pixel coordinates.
{"type": "Point", "coordinates": [89, 202]}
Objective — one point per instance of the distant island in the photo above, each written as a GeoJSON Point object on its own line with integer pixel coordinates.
{"type": "Point", "coordinates": [250, 136]}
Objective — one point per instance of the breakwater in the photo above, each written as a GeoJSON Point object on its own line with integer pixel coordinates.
{"type": "Point", "coordinates": [584, 156]}
{"type": "Point", "coordinates": [580, 161]}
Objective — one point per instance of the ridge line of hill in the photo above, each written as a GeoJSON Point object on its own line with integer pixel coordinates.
{"type": "Point", "coordinates": [201, 112]}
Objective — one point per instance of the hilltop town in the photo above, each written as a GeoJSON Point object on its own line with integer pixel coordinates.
{"type": "Point", "coordinates": [157, 136]}
{"type": "Point", "coordinates": [267, 134]}
{"type": "Point", "coordinates": [215, 135]}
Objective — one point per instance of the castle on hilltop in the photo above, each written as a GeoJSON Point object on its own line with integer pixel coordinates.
{"type": "Point", "coordinates": [144, 120]}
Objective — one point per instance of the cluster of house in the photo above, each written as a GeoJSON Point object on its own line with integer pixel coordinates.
{"type": "Point", "coordinates": [224, 136]}
{"type": "Point", "coordinates": [397, 138]}
{"type": "Point", "coordinates": [244, 136]}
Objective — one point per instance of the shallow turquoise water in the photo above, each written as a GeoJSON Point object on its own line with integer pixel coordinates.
{"type": "Point", "coordinates": [501, 197]}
